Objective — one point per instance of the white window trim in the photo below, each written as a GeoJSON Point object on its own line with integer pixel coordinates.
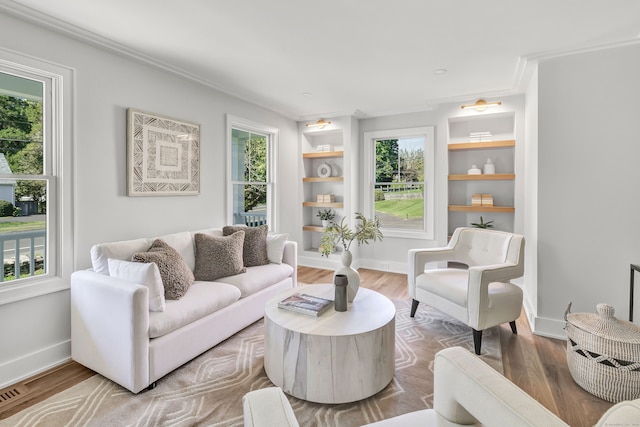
{"type": "Point", "coordinates": [429, 177]}
{"type": "Point", "coordinates": [59, 169]}
{"type": "Point", "coordinates": [235, 122]}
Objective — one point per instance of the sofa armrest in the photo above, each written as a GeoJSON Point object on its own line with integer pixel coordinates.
{"type": "Point", "coordinates": [467, 390]}
{"type": "Point", "coordinates": [290, 256]}
{"type": "Point", "coordinates": [110, 328]}
{"type": "Point", "coordinates": [267, 407]}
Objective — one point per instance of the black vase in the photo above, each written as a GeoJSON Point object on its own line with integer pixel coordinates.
{"type": "Point", "coordinates": [340, 281]}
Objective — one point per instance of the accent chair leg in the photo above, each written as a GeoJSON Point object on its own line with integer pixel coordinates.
{"type": "Point", "coordinates": [414, 307]}
{"type": "Point", "coordinates": [477, 340]}
{"type": "Point", "coordinates": [513, 327]}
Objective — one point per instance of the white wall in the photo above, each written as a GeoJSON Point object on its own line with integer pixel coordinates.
{"type": "Point", "coordinates": [588, 177]}
{"type": "Point", "coordinates": [530, 204]}
{"type": "Point", "coordinates": [105, 85]}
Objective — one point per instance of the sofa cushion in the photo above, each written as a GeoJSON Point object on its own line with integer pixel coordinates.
{"type": "Point", "coordinates": [258, 277]}
{"type": "Point", "coordinates": [218, 256]}
{"type": "Point", "coordinates": [275, 247]}
{"type": "Point", "coordinates": [146, 274]}
{"type": "Point", "coordinates": [176, 274]}
{"type": "Point", "coordinates": [203, 298]}
{"type": "Point", "coordinates": [448, 283]}
{"type": "Point", "coordinates": [122, 250]}
{"type": "Point", "coordinates": [254, 251]}
{"type": "Point", "coordinates": [182, 242]}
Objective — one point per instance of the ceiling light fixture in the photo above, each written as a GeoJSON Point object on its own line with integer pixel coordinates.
{"type": "Point", "coordinates": [319, 124]}
{"type": "Point", "coordinates": [481, 105]}
{"type": "Point", "coordinates": [439, 71]}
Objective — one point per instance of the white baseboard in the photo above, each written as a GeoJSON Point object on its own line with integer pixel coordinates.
{"type": "Point", "coordinates": [34, 363]}
{"type": "Point", "coordinates": [547, 327]}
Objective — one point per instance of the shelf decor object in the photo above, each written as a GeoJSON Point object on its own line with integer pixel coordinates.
{"type": "Point", "coordinates": [324, 170]}
{"type": "Point", "coordinates": [489, 168]}
{"type": "Point", "coordinates": [163, 155]}
{"type": "Point", "coordinates": [487, 200]}
{"type": "Point", "coordinates": [475, 170]}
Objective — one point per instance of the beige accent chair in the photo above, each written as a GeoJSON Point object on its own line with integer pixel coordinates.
{"type": "Point", "coordinates": [467, 391]}
{"type": "Point", "coordinates": [472, 281]}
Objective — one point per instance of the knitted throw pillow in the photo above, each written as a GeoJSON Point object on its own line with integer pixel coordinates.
{"type": "Point", "coordinates": [175, 273]}
{"type": "Point", "coordinates": [254, 250]}
{"type": "Point", "coordinates": [218, 256]}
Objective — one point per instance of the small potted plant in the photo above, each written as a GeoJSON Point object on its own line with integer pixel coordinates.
{"type": "Point", "coordinates": [482, 224]}
{"type": "Point", "coordinates": [326, 216]}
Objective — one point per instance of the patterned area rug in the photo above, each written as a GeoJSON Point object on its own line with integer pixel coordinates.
{"type": "Point", "coordinates": [208, 390]}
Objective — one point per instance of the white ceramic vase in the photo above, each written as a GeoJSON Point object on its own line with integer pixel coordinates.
{"type": "Point", "coordinates": [352, 275]}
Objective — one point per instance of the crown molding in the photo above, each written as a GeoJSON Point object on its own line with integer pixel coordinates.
{"type": "Point", "coordinates": [33, 16]}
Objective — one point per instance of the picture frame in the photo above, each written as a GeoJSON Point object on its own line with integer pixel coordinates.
{"type": "Point", "coordinates": [163, 155]}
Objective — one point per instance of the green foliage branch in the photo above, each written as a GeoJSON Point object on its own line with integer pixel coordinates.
{"type": "Point", "coordinates": [341, 234]}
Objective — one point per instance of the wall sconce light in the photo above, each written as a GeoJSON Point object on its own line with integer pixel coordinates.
{"type": "Point", "coordinates": [319, 124]}
{"type": "Point", "coordinates": [481, 105]}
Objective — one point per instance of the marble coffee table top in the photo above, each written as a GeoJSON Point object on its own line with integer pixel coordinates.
{"type": "Point", "coordinates": [369, 310]}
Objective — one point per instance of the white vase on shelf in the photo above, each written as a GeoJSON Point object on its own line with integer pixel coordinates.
{"type": "Point", "coordinates": [352, 275]}
{"type": "Point", "coordinates": [489, 168]}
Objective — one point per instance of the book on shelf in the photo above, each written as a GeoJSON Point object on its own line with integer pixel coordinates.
{"type": "Point", "coordinates": [305, 304]}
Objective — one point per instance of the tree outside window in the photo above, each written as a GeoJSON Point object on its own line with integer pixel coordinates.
{"type": "Point", "coordinates": [22, 201]}
{"type": "Point", "coordinates": [399, 182]}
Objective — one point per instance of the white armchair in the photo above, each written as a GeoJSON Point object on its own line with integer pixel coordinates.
{"type": "Point", "coordinates": [466, 391]}
{"type": "Point", "coordinates": [481, 295]}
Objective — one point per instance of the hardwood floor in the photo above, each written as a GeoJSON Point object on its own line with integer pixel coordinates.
{"type": "Point", "coordinates": [536, 364]}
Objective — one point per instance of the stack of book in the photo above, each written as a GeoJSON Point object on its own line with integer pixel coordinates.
{"type": "Point", "coordinates": [305, 304]}
{"type": "Point", "coordinates": [480, 136]}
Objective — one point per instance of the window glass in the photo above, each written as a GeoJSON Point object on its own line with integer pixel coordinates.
{"type": "Point", "coordinates": [399, 183]}
{"type": "Point", "coordinates": [23, 202]}
{"type": "Point", "coordinates": [249, 173]}
{"type": "Point", "coordinates": [400, 164]}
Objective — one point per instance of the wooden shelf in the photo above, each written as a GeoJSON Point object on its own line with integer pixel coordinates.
{"type": "Point", "coordinates": [322, 154]}
{"type": "Point", "coordinates": [319, 179]}
{"type": "Point", "coordinates": [314, 228]}
{"type": "Point", "coordinates": [483, 177]}
{"type": "Point", "coordinates": [482, 145]}
{"type": "Point", "coordinates": [323, 205]}
{"type": "Point", "coordinates": [466, 208]}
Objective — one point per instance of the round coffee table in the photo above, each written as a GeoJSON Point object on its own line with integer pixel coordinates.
{"type": "Point", "coordinates": [337, 357]}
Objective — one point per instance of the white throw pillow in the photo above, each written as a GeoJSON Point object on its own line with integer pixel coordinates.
{"type": "Point", "coordinates": [146, 274]}
{"type": "Point", "coordinates": [275, 247]}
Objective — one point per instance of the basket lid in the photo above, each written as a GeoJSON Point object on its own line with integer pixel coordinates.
{"type": "Point", "coordinates": [605, 325]}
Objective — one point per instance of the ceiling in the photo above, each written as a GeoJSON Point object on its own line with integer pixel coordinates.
{"type": "Point", "coordinates": [309, 59]}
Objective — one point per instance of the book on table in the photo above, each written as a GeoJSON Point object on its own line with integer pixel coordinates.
{"type": "Point", "coordinates": [305, 304]}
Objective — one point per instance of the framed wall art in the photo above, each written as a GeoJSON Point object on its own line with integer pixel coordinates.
{"type": "Point", "coordinates": [163, 155]}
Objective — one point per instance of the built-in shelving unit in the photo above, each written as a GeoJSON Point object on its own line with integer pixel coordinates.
{"type": "Point", "coordinates": [320, 146]}
{"type": "Point", "coordinates": [464, 154]}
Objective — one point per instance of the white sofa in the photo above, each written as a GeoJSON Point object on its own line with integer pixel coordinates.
{"type": "Point", "coordinates": [467, 391]}
{"type": "Point", "coordinates": [114, 333]}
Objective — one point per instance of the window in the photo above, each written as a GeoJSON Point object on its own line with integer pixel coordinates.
{"type": "Point", "coordinates": [252, 149]}
{"type": "Point", "coordinates": [37, 259]}
{"type": "Point", "coordinates": [400, 169]}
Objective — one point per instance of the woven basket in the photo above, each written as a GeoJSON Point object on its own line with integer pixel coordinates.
{"type": "Point", "coordinates": [603, 354]}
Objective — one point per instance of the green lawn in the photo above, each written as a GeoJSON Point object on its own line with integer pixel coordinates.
{"type": "Point", "coordinates": [8, 227]}
{"type": "Point", "coordinates": [402, 208]}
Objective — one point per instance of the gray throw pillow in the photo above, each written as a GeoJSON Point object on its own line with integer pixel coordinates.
{"type": "Point", "coordinates": [218, 256]}
{"type": "Point", "coordinates": [175, 273]}
{"type": "Point", "coordinates": [254, 251]}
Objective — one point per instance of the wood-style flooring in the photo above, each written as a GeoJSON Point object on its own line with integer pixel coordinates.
{"type": "Point", "coordinates": [536, 364]}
